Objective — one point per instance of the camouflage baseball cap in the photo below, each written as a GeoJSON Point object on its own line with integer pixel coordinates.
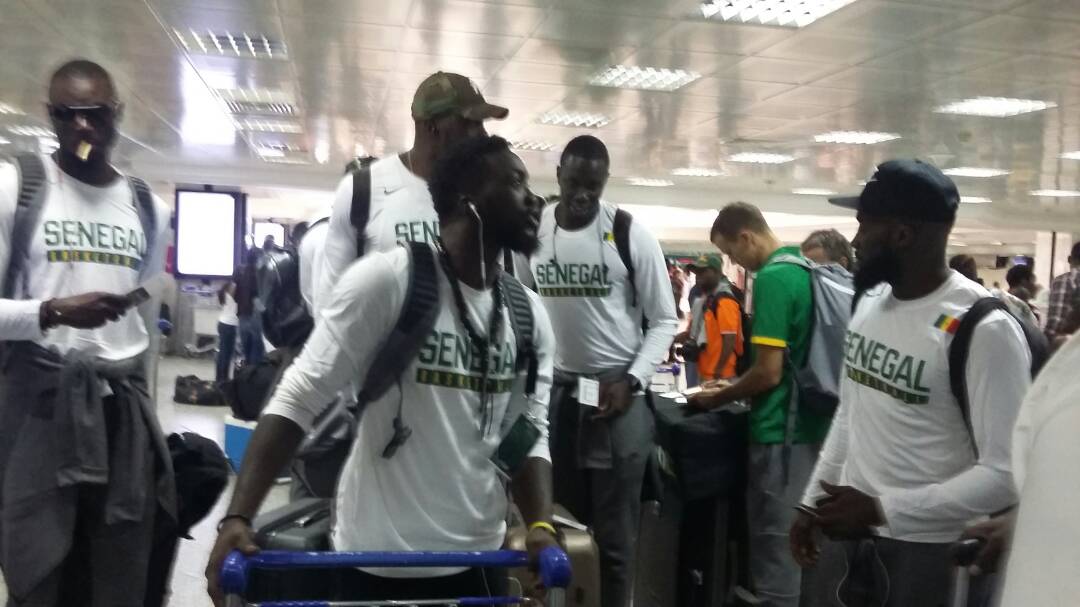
{"type": "Point", "coordinates": [444, 93]}
{"type": "Point", "coordinates": [706, 261]}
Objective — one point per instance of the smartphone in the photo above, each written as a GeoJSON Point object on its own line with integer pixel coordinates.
{"type": "Point", "coordinates": [138, 297]}
{"type": "Point", "coordinates": [515, 448]}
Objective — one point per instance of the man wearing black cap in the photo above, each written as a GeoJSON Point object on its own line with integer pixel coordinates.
{"type": "Point", "coordinates": [447, 108]}
{"type": "Point", "coordinates": [901, 472]}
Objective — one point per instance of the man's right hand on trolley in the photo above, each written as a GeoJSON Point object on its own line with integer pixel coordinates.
{"type": "Point", "coordinates": [233, 534]}
{"type": "Point", "coordinates": [86, 311]}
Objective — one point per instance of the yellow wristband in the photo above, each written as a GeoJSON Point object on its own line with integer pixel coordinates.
{"type": "Point", "coordinates": [545, 526]}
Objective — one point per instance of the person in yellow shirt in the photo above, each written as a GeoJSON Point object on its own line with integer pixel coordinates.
{"type": "Point", "coordinates": [722, 316]}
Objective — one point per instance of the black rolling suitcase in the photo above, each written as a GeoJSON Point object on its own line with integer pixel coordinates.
{"type": "Point", "coordinates": [303, 526]}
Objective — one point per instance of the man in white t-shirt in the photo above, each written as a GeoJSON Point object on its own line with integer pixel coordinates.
{"type": "Point", "coordinates": [601, 445]}
{"type": "Point", "coordinates": [87, 497]}
{"type": "Point", "coordinates": [446, 108]}
{"type": "Point", "coordinates": [902, 471]}
{"type": "Point", "coordinates": [435, 487]}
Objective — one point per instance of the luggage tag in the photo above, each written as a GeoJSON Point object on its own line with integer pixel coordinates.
{"type": "Point", "coordinates": [588, 392]}
{"type": "Point", "coordinates": [515, 447]}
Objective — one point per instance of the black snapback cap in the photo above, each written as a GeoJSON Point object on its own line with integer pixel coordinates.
{"type": "Point", "coordinates": [906, 189]}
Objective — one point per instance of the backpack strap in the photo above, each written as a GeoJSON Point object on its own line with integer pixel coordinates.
{"type": "Point", "coordinates": [620, 231]}
{"type": "Point", "coordinates": [794, 260]}
{"type": "Point", "coordinates": [32, 188]}
{"type": "Point", "coordinates": [360, 209]}
{"type": "Point", "coordinates": [524, 325]}
{"type": "Point", "coordinates": [416, 321]}
{"type": "Point", "coordinates": [144, 205]}
{"type": "Point", "coordinates": [960, 349]}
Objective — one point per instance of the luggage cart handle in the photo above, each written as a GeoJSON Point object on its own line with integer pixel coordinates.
{"type": "Point", "coordinates": [554, 565]}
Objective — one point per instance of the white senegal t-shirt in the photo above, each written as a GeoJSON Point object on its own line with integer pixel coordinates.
{"type": "Point", "coordinates": [88, 238]}
{"type": "Point", "coordinates": [899, 434]}
{"type": "Point", "coordinates": [400, 210]}
{"type": "Point", "coordinates": [440, 491]}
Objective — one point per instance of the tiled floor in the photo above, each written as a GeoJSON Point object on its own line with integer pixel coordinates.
{"type": "Point", "coordinates": [188, 585]}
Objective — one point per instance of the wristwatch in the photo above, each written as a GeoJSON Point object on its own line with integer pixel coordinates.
{"type": "Point", "coordinates": [635, 383]}
{"type": "Point", "coordinates": [48, 316]}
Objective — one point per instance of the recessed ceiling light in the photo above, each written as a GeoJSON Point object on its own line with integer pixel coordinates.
{"type": "Point", "coordinates": [257, 101]}
{"type": "Point", "coordinates": [957, 244]}
{"type": "Point", "coordinates": [30, 131]}
{"type": "Point", "coordinates": [855, 137]}
{"type": "Point", "coordinates": [270, 152]}
{"type": "Point", "coordinates": [643, 78]}
{"type": "Point", "coordinates": [650, 183]}
{"type": "Point", "coordinates": [813, 192]}
{"type": "Point", "coordinates": [1056, 193]}
{"type": "Point", "coordinates": [1071, 155]}
{"type": "Point", "coordinates": [997, 243]}
{"type": "Point", "coordinates": [976, 172]}
{"type": "Point", "coordinates": [239, 44]}
{"type": "Point", "coordinates": [761, 158]}
{"type": "Point", "coordinates": [4, 141]}
{"type": "Point", "coordinates": [974, 200]}
{"type": "Point", "coordinates": [269, 126]}
{"type": "Point", "coordinates": [532, 146]}
{"type": "Point", "coordinates": [576, 119]}
{"type": "Point", "coordinates": [996, 107]}
{"type": "Point", "coordinates": [10, 109]}
{"type": "Point", "coordinates": [787, 13]}
{"type": "Point", "coordinates": [697, 172]}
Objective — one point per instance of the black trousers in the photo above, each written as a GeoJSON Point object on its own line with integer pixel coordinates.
{"type": "Point", "coordinates": [355, 585]}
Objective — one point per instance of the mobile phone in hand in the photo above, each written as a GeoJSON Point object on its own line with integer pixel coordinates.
{"type": "Point", "coordinates": [138, 297]}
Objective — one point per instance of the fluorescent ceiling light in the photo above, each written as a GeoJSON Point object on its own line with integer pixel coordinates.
{"type": "Point", "coordinates": [4, 141]}
{"type": "Point", "coordinates": [995, 107]}
{"type": "Point", "coordinates": [576, 119]}
{"type": "Point", "coordinates": [957, 244]}
{"type": "Point", "coordinates": [974, 200]}
{"type": "Point", "coordinates": [1071, 155]}
{"type": "Point", "coordinates": [761, 158]}
{"type": "Point", "coordinates": [232, 44]}
{"type": "Point", "coordinates": [285, 160]}
{"type": "Point", "coordinates": [813, 192]}
{"type": "Point", "coordinates": [1055, 193]}
{"type": "Point", "coordinates": [650, 183]}
{"type": "Point", "coordinates": [47, 145]}
{"type": "Point", "coordinates": [855, 137]}
{"type": "Point", "coordinates": [322, 152]}
{"type": "Point", "coordinates": [269, 126]}
{"type": "Point", "coordinates": [10, 109]}
{"type": "Point", "coordinates": [697, 172]}
{"type": "Point", "coordinates": [785, 13]}
{"type": "Point", "coordinates": [976, 172]}
{"type": "Point", "coordinates": [257, 101]}
{"type": "Point", "coordinates": [30, 131]}
{"type": "Point", "coordinates": [270, 152]}
{"type": "Point", "coordinates": [643, 78]}
{"type": "Point", "coordinates": [532, 146]}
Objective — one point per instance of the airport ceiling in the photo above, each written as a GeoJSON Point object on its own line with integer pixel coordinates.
{"type": "Point", "coordinates": [284, 92]}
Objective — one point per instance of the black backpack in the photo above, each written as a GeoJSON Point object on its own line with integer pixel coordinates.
{"type": "Point", "coordinates": [323, 451]}
{"type": "Point", "coordinates": [33, 187]}
{"type": "Point", "coordinates": [960, 348]}
{"type": "Point", "coordinates": [201, 473]}
{"type": "Point", "coordinates": [285, 319]}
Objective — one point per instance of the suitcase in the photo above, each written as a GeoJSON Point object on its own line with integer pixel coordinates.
{"type": "Point", "coordinates": [584, 588]}
{"type": "Point", "coordinates": [301, 526]}
{"type": "Point", "coordinates": [657, 564]}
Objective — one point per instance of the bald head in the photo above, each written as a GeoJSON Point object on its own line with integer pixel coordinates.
{"type": "Point", "coordinates": [84, 111]}
{"type": "Point", "coordinates": [81, 74]}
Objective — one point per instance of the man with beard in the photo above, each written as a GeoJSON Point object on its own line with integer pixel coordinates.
{"type": "Point", "coordinates": [903, 469]}
{"type": "Point", "coordinates": [600, 445]}
{"type": "Point", "coordinates": [782, 451]}
{"type": "Point", "coordinates": [433, 487]}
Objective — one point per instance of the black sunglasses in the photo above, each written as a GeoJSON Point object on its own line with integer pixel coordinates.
{"type": "Point", "coordinates": [94, 113]}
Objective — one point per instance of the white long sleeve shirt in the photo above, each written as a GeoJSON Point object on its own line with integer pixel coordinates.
{"type": "Point", "coordinates": [88, 238]}
{"type": "Point", "coordinates": [898, 433]}
{"type": "Point", "coordinates": [400, 210]}
{"type": "Point", "coordinates": [584, 286]}
{"type": "Point", "coordinates": [440, 491]}
{"type": "Point", "coordinates": [1045, 553]}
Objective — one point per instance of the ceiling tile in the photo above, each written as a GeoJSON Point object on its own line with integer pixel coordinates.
{"type": "Point", "coordinates": [460, 44]}
{"type": "Point", "coordinates": [183, 18]}
{"type": "Point", "coordinates": [1033, 68]}
{"type": "Point", "coordinates": [941, 59]}
{"type": "Point", "coordinates": [809, 46]}
{"type": "Point", "coordinates": [600, 30]}
{"type": "Point", "coordinates": [736, 90]}
{"type": "Point", "coordinates": [986, 5]}
{"type": "Point", "coordinates": [718, 37]}
{"type": "Point", "coordinates": [545, 73]}
{"type": "Point", "coordinates": [563, 53]}
{"type": "Point", "coordinates": [1049, 9]}
{"type": "Point", "coordinates": [868, 79]}
{"type": "Point", "coordinates": [386, 12]}
{"type": "Point", "coordinates": [877, 19]}
{"type": "Point", "coordinates": [772, 108]}
{"type": "Point", "coordinates": [823, 97]}
{"type": "Point", "coordinates": [702, 63]}
{"type": "Point", "coordinates": [456, 15]}
{"type": "Point", "coordinates": [528, 90]}
{"type": "Point", "coordinates": [328, 37]}
{"type": "Point", "coordinates": [784, 71]}
{"type": "Point", "coordinates": [1008, 32]}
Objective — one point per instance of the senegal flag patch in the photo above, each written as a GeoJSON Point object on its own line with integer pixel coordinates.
{"type": "Point", "coordinates": [947, 324]}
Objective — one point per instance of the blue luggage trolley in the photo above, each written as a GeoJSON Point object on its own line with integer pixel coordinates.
{"type": "Point", "coordinates": [554, 573]}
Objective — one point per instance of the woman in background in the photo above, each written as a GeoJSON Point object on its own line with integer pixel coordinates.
{"type": "Point", "coordinates": [226, 330]}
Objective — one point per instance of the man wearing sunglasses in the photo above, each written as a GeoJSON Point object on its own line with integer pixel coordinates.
{"type": "Point", "coordinates": [87, 498]}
